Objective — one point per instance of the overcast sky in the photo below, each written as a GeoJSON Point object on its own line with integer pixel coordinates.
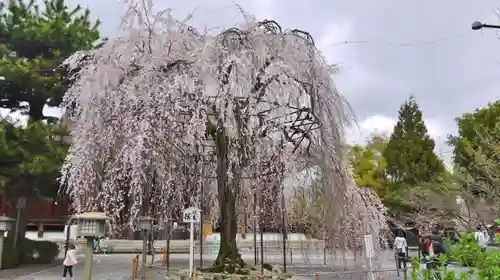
{"type": "Point", "coordinates": [388, 49]}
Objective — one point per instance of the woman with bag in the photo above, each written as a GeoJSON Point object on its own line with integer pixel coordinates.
{"type": "Point", "coordinates": [401, 248]}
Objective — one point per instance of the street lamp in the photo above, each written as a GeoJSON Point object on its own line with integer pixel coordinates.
{"type": "Point", "coordinates": [5, 225]}
{"type": "Point", "coordinates": [146, 224]}
{"type": "Point", "coordinates": [90, 225]}
{"type": "Point", "coordinates": [476, 25]}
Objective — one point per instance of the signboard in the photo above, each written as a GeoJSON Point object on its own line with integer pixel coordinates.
{"type": "Point", "coordinates": [191, 215]}
{"type": "Point", "coordinates": [370, 252]}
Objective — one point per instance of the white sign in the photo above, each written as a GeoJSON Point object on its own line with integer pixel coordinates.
{"type": "Point", "coordinates": [370, 252]}
{"type": "Point", "coordinates": [191, 215]}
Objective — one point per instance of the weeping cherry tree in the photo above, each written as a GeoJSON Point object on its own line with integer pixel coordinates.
{"type": "Point", "coordinates": [256, 102]}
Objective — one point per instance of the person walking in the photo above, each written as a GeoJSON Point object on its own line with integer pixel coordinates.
{"type": "Point", "coordinates": [482, 238]}
{"type": "Point", "coordinates": [69, 261]}
{"type": "Point", "coordinates": [401, 248]}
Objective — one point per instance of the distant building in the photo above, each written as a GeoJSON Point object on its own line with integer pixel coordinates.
{"type": "Point", "coordinates": [51, 214]}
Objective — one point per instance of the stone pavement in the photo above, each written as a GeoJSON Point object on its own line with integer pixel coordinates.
{"type": "Point", "coordinates": [119, 267]}
{"type": "Point", "coordinates": [104, 267]}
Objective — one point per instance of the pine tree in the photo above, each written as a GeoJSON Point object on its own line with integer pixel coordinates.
{"type": "Point", "coordinates": [34, 40]}
{"type": "Point", "coordinates": [410, 152]}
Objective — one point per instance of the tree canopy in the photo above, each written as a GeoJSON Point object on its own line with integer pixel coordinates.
{"type": "Point", "coordinates": [410, 151]}
{"type": "Point", "coordinates": [30, 157]}
{"type": "Point", "coordinates": [34, 41]}
{"type": "Point", "coordinates": [254, 101]}
{"type": "Point", "coordinates": [476, 144]}
{"type": "Point", "coordinates": [369, 164]}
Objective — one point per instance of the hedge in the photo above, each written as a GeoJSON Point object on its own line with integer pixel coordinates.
{"type": "Point", "coordinates": [29, 252]}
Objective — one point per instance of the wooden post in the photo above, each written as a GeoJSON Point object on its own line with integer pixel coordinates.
{"type": "Point", "coordinates": [149, 272]}
{"type": "Point", "coordinates": [135, 266]}
{"type": "Point", "coordinates": [164, 257]}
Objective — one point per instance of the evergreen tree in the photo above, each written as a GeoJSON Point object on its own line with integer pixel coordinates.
{"type": "Point", "coordinates": [410, 152]}
{"type": "Point", "coordinates": [33, 43]}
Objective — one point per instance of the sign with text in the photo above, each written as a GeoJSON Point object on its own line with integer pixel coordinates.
{"type": "Point", "coordinates": [191, 215]}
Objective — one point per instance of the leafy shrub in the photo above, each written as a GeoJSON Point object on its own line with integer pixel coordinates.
{"type": "Point", "coordinates": [10, 256]}
{"type": "Point", "coordinates": [46, 251]}
{"type": "Point", "coordinates": [467, 252]}
{"type": "Point", "coordinates": [488, 267]}
{"type": "Point", "coordinates": [28, 251]}
{"type": "Point", "coordinates": [25, 249]}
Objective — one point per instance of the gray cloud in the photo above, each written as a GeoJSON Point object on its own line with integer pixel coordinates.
{"type": "Point", "coordinates": [425, 48]}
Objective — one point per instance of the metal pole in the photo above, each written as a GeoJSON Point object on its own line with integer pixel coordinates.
{"type": "Point", "coordinates": [255, 238]}
{"type": "Point", "coordinates": [202, 224]}
{"type": "Point", "coordinates": [254, 227]}
{"type": "Point", "coordinates": [191, 248]}
{"type": "Point", "coordinates": [261, 236]}
{"type": "Point", "coordinates": [167, 245]}
{"type": "Point", "coordinates": [151, 244]}
{"type": "Point", "coordinates": [283, 213]}
{"type": "Point", "coordinates": [87, 273]}
{"type": "Point", "coordinates": [144, 253]}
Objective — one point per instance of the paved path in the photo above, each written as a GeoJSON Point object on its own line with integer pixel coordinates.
{"type": "Point", "coordinates": [119, 266]}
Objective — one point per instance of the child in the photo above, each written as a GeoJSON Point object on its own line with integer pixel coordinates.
{"type": "Point", "coordinates": [69, 261]}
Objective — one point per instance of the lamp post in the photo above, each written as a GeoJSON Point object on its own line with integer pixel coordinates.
{"type": "Point", "coordinates": [21, 204]}
{"type": "Point", "coordinates": [146, 224]}
{"type": "Point", "coordinates": [90, 225]}
{"type": "Point", "coordinates": [5, 225]}
{"type": "Point", "coordinates": [477, 25]}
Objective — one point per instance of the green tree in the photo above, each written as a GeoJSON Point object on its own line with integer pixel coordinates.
{"type": "Point", "coordinates": [369, 170]}
{"type": "Point", "coordinates": [410, 151]}
{"type": "Point", "coordinates": [30, 160]}
{"type": "Point", "coordinates": [33, 43]}
{"type": "Point", "coordinates": [475, 144]}
{"type": "Point", "coordinates": [369, 164]}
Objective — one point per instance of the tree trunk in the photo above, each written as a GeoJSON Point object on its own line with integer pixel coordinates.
{"type": "Point", "coordinates": [229, 259]}
{"type": "Point", "coordinates": [36, 110]}
{"type": "Point", "coordinates": [23, 220]}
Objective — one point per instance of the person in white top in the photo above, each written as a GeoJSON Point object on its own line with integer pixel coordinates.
{"type": "Point", "coordinates": [401, 248]}
{"type": "Point", "coordinates": [482, 238]}
{"type": "Point", "coordinates": [69, 261]}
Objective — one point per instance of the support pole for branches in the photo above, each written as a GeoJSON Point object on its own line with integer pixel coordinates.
{"type": "Point", "coordinates": [261, 226]}
{"type": "Point", "coordinates": [284, 228]}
